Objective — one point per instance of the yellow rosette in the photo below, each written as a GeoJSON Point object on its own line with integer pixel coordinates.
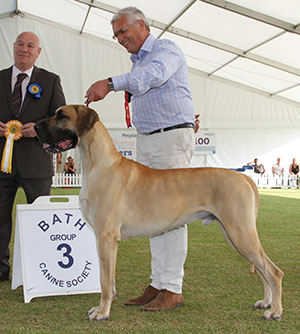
{"type": "Point", "coordinates": [12, 133]}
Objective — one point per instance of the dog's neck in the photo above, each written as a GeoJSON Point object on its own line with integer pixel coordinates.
{"type": "Point", "coordinates": [97, 148]}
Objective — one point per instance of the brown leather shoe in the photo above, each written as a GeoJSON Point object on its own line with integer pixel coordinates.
{"type": "Point", "coordinates": [165, 300]}
{"type": "Point", "coordinates": [149, 294]}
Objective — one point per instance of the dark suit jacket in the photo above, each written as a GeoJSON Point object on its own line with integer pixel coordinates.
{"type": "Point", "coordinates": [29, 159]}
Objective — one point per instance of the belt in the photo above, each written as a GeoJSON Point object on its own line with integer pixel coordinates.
{"type": "Point", "coordinates": [179, 126]}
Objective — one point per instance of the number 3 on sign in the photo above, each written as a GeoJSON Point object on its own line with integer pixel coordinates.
{"type": "Point", "coordinates": [67, 255]}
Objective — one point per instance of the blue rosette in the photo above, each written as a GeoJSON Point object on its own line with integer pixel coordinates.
{"type": "Point", "coordinates": [35, 90]}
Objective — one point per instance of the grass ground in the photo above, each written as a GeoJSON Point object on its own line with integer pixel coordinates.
{"type": "Point", "coordinates": [219, 289]}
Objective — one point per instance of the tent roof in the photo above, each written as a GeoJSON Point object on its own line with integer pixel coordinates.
{"type": "Point", "coordinates": [254, 43]}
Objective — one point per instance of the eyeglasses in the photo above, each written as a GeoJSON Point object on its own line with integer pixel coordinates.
{"type": "Point", "coordinates": [121, 32]}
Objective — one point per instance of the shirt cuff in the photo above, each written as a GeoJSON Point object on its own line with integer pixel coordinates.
{"type": "Point", "coordinates": [120, 82]}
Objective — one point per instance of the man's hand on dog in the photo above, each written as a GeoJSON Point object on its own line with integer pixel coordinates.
{"type": "Point", "coordinates": [97, 91]}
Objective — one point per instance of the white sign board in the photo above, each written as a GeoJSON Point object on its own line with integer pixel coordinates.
{"type": "Point", "coordinates": [55, 249]}
{"type": "Point", "coordinates": [205, 142]}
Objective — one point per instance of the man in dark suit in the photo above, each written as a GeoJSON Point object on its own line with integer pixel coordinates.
{"type": "Point", "coordinates": [26, 98]}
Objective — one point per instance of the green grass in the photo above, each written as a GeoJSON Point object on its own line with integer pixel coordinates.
{"type": "Point", "coordinates": [219, 289]}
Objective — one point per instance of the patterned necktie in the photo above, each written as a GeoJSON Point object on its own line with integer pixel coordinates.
{"type": "Point", "coordinates": [17, 94]}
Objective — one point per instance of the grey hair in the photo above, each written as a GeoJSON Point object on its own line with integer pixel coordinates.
{"type": "Point", "coordinates": [133, 14]}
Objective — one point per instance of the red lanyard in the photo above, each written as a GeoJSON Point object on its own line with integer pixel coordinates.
{"type": "Point", "coordinates": [127, 113]}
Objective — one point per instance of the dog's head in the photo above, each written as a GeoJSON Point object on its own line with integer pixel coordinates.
{"type": "Point", "coordinates": [62, 131]}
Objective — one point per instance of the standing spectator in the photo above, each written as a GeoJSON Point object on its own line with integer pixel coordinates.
{"type": "Point", "coordinates": [27, 95]}
{"type": "Point", "coordinates": [277, 169]}
{"type": "Point", "coordinates": [58, 162]}
{"type": "Point", "coordinates": [163, 114]}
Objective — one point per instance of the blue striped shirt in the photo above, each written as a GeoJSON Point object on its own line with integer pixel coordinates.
{"type": "Point", "coordinates": [159, 85]}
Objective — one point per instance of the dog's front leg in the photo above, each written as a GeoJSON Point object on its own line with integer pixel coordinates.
{"type": "Point", "coordinates": [107, 252]}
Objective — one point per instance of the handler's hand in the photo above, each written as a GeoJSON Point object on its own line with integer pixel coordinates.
{"type": "Point", "coordinates": [97, 91]}
{"type": "Point", "coordinates": [197, 123]}
{"type": "Point", "coordinates": [3, 128]}
{"type": "Point", "coordinates": [28, 131]}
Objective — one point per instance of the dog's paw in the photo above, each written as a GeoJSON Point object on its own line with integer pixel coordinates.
{"type": "Point", "coordinates": [96, 314]}
{"type": "Point", "coordinates": [262, 305]}
{"type": "Point", "coordinates": [271, 315]}
{"type": "Point", "coordinates": [92, 310]}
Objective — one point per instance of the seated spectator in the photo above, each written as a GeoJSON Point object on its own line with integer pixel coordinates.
{"type": "Point", "coordinates": [294, 168]}
{"type": "Point", "coordinates": [277, 169]}
{"type": "Point", "coordinates": [70, 166]}
{"type": "Point", "coordinates": [258, 168]}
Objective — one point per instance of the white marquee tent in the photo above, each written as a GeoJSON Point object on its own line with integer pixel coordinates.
{"type": "Point", "coordinates": [243, 59]}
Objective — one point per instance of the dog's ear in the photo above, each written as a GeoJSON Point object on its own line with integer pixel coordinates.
{"type": "Point", "coordinates": [86, 118]}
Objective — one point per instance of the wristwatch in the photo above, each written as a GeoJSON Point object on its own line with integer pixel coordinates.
{"type": "Point", "coordinates": [110, 85]}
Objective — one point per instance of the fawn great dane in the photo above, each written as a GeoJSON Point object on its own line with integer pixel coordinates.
{"type": "Point", "coordinates": [123, 199]}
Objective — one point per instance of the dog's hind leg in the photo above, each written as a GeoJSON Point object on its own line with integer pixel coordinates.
{"type": "Point", "coordinates": [245, 240]}
{"type": "Point", "coordinates": [267, 301]}
{"type": "Point", "coordinates": [107, 252]}
{"type": "Point", "coordinates": [271, 276]}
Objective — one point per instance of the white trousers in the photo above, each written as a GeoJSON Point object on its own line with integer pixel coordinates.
{"type": "Point", "coordinates": [171, 149]}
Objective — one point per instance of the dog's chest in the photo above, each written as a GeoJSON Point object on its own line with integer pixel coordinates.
{"type": "Point", "coordinates": [84, 206]}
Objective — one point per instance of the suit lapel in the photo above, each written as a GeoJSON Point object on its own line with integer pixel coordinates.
{"type": "Point", "coordinates": [7, 88]}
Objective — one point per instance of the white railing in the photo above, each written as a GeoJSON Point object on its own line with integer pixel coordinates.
{"type": "Point", "coordinates": [270, 181]}
{"type": "Point", "coordinates": [262, 181]}
{"type": "Point", "coordinates": [66, 181]}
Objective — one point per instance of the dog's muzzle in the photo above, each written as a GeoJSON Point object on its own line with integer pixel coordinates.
{"type": "Point", "coordinates": [61, 146]}
{"type": "Point", "coordinates": [55, 140]}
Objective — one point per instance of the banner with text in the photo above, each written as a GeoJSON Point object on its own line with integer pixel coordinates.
{"type": "Point", "coordinates": [125, 142]}
{"type": "Point", "coordinates": [205, 142]}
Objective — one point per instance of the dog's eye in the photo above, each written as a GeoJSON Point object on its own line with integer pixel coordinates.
{"type": "Point", "coordinates": [60, 116]}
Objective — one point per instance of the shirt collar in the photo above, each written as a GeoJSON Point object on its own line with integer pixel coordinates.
{"type": "Point", "coordinates": [145, 48]}
{"type": "Point", "coordinates": [16, 71]}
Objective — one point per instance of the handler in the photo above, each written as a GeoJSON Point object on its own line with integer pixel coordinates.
{"type": "Point", "coordinates": [163, 115]}
{"type": "Point", "coordinates": [27, 95]}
